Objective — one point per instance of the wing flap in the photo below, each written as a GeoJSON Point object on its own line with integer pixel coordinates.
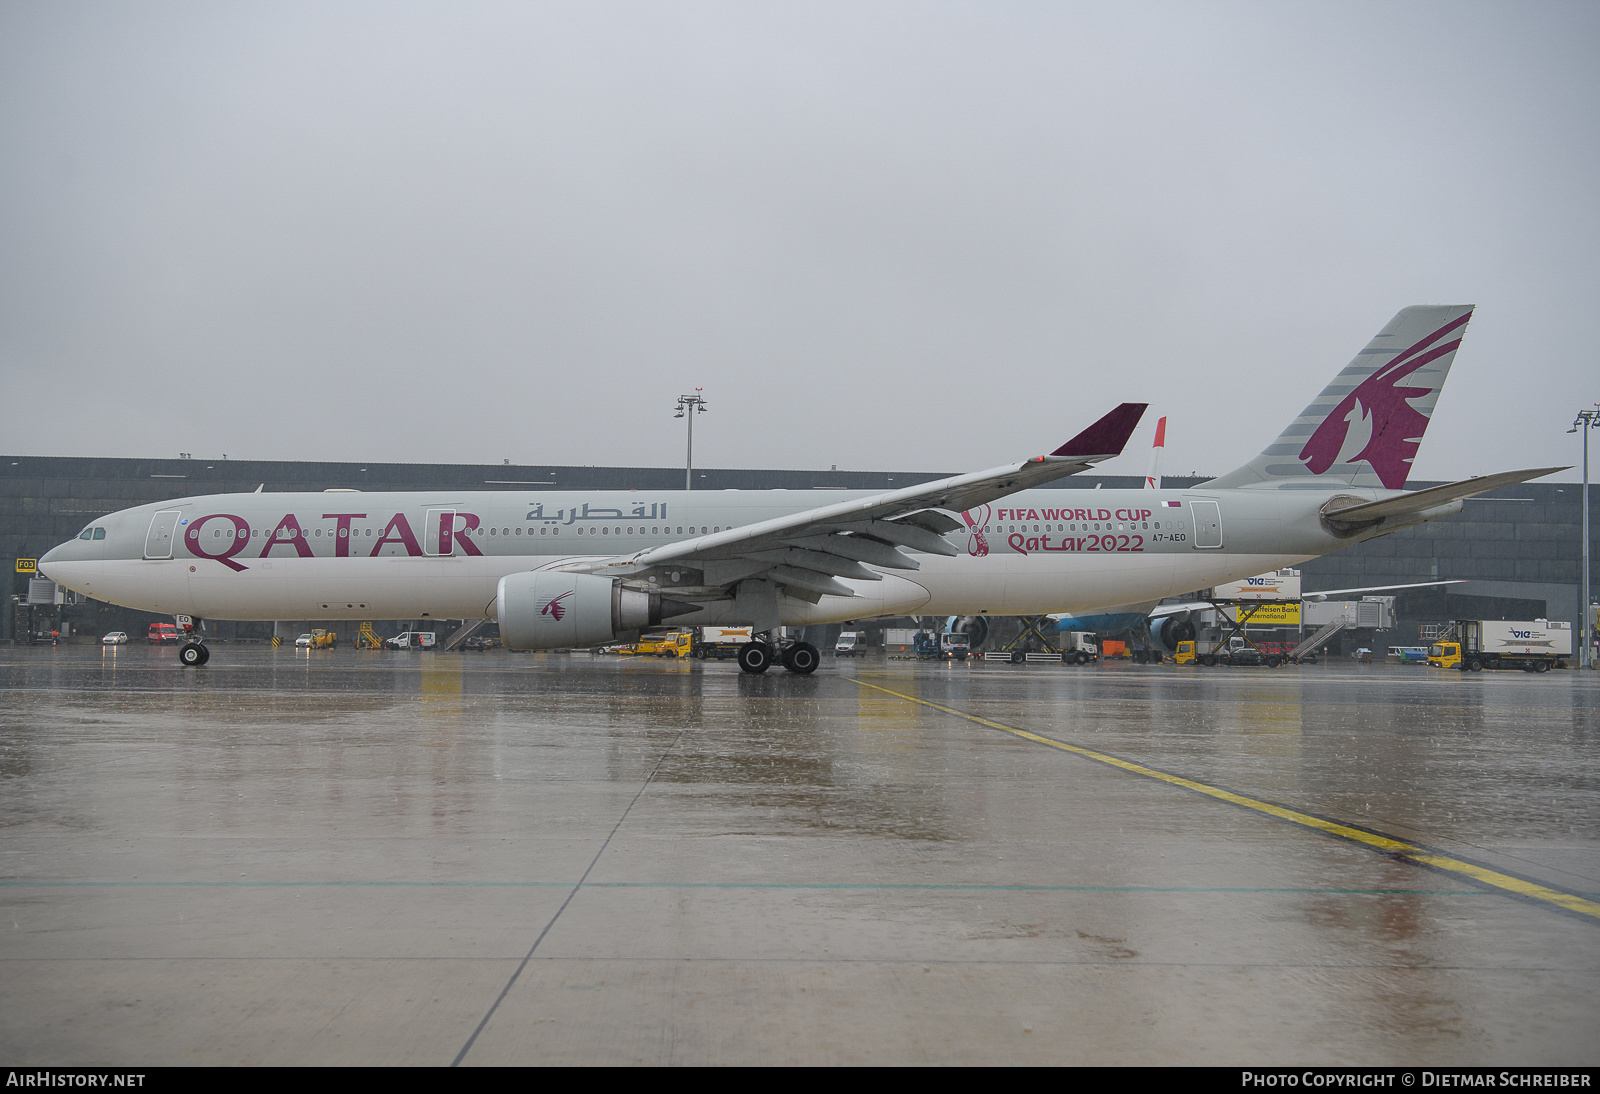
{"type": "Point", "coordinates": [857, 548]}
{"type": "Point", "coordinates": [900, 534]}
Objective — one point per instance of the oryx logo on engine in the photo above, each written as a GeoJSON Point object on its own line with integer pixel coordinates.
{"type": "Point", "coordinates": [554, 608]}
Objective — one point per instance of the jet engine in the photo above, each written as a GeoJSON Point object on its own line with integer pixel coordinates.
{"type": "Point", "coordinates": [975, 627]}
{"type": "Point", "coordinates": [547, 610]}
{"type": "Point", "coordinates": [1177, 628]}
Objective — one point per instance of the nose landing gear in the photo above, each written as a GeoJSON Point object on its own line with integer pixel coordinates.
{"type": "Point", "coordinates": [193, 653]}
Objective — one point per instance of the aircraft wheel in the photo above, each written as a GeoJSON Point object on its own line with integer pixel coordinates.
{"type": "Point", "coordinates": [801, 658]}
{"type": "Point", "coordinates": [1474, 665]}
{"type": "Point", "coordinates": [755, 657]}
{"type": "Point", "coordinates": [1018, 657]}
{"type": "Point", "coordinates": [192, 654]}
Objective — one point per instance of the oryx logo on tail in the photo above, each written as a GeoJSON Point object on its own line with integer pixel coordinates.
{"type": "Point", "coordinates": [1376, 422]}
{"type": "Point", "coordinates": [1365, 427]}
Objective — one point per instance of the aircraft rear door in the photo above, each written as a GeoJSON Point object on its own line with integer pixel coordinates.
{"type": "Point", "coordinates": [439, 538]}
{"type": "Point", "coordinates": [158, 541]}
{"type": "Point", "coordinates": [1207, 524]}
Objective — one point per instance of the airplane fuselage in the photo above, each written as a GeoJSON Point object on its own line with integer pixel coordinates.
{"type": "Point", "coordinates": [411, 555]}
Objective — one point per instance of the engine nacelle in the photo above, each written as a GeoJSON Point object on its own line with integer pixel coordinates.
{"type": "Point", "coordinates": [1175, 629]}
{"type": "Point", "coordinates": [549, 610]}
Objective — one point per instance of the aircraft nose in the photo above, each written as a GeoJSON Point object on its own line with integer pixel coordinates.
{"type": "Point", "coordinates": [52, 555]}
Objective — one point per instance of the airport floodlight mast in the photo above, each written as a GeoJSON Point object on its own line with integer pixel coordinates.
{"type": "Point", "coordinates": [1585, 421]}
{"type": "Point", "coordinates": [688, 407]}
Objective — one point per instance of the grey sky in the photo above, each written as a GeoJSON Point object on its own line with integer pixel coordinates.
{"type": "Point", "coordinates": [880, 235]}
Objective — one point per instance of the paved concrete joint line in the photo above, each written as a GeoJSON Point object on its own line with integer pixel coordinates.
{"type": "Point", "coordinates": [1410, 852]}
{"type": "Point", "coordinates": [484, 1022]}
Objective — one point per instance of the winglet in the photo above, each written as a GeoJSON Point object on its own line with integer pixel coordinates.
{"type": "Point", "coordinates": [1107, 436]}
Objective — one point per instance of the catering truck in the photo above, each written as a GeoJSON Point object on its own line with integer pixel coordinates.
{"type": "Point", "coordinates": [1537, 645]}
{"type": "Point", "coordinates": [717, 643]}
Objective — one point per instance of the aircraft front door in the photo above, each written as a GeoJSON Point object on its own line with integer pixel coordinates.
{"type": "Point", "coordinates": [1207, 524]}
{"type": "Point", "coordinates": [158, 541]}
{"type": "Point", "coordinates": [439, 539]}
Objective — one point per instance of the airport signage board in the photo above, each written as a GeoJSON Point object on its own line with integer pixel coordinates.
{"type": "Point", "coordinates": [1278, 585]}
{"type": "Point", "coordinates": [1267, 614]}
{"type": "Point", "coordinates": [27, 565]}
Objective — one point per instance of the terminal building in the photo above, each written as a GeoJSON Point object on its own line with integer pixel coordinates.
{"type": "Point", "coordinates": [1517, 549]}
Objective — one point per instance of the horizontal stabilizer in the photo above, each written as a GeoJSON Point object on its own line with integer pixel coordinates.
{"type": "Point", "coordinates": [1420, 500]}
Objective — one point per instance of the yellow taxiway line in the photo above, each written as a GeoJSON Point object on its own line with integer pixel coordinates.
{"type": "Point", "coordinates": [1423, 856]}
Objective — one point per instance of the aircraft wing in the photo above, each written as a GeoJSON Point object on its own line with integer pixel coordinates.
{"type": "Point", "coordinates": [806, 553]}
{"type": "Point", "coordinates": [1162, 611]}
{"type": "Point", "coordinates": [1323, 594]}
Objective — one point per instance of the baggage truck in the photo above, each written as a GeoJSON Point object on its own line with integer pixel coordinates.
{"type": "Point", "coordinates": [674, 644]}
{"type": "Point", "coordinates": [1537, 645]}
{"type": "Point", "coordinates": [941, 645]}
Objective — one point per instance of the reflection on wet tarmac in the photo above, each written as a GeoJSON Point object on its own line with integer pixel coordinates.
{"type": "Point", "coordinates": [342, 856]}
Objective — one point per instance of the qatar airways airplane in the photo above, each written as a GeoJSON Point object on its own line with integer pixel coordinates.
{"type": "Point", "coordinates": [584, 568]}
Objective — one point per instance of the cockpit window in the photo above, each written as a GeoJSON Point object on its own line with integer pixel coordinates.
{"type": "Point", "coordinates": [86, 533]}
{"type": "Point", "coordinates": [99, 533]}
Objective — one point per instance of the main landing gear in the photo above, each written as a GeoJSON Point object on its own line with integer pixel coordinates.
{"type": "Point", "coordinates": [800, 658]}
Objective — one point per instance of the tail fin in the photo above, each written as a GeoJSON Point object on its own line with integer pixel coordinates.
{"type": "Point", "coordinates": [1152, 478]}
{"type": "Point", "coordinates": [1365, 427]}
